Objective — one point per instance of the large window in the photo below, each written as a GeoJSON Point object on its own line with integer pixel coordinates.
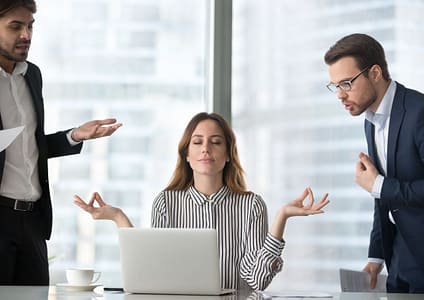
{"type": "Point", "coordinates": [293, 133]}
{"type": "Point", "coordinates": [145, 62]}
{"type": "Point", "coordinates": [140, 61]}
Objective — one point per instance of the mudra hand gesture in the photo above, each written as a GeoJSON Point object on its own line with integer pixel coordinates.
{"type": "Point", "coordinates": [103, 211]}
{"type": "Point", "coordinates": [297, 208]}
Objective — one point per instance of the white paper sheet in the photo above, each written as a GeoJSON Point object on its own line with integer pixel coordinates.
{"type": "Point", "coordinates": [295, 294]}
{"type": "Point", "coordinates": [7, 136]}
{"type": "Point", "coordinates": [358, 281]}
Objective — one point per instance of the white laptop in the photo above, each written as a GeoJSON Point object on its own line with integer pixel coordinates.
{"type": "Point", "coordinates": [170, 261]}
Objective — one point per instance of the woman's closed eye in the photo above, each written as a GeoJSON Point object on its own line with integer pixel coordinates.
{"type": "Point", "coordinates": [197, 142]}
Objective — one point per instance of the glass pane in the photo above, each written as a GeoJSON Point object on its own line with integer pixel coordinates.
{"type": "Point", "coordinates": [294, 133]}
{"type": "Point", "coordinates": [140, 61]}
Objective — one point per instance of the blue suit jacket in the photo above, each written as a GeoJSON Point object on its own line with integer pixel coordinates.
{"type": "Point", "coordinates": [52, 145]}
{"type": "Point", "coordinates": [403, 189]}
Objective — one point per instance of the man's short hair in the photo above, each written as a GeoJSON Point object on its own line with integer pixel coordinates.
{"type": "Point", "coordinates": [366, 51]}
{"type": "Point", "coordinates": [8, 5]}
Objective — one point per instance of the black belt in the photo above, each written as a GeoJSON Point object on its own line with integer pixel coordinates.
{"type": "Point", "coordinates": [15, 204]}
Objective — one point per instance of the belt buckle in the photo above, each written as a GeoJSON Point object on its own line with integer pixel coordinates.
{"type": "Point", "coordinates": [18, 205]}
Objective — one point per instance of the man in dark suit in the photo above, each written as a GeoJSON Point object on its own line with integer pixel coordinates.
{"type": "Point", "coordinates": [25, 206]}
{"type": "Point", "coordinates": [393, 173]}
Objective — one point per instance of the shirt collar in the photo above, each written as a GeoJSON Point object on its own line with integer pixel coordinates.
{"type": "Point", "coordinates": [201, 199]}
{"type": "Point", "coordinates": [21, 68]}
{"type": "Point", "coordinates": [385, 107]}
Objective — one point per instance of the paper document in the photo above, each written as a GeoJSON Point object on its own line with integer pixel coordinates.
{"type": "Point", "coordinates": [358, 281]}
{"type": "Point", "coordinates": [7, 136]}
{"type": "Point", "coordinates": [295, 294]}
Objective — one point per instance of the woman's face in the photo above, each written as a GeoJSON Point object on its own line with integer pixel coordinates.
{"type": "Point", "coordinates": [207, 151]}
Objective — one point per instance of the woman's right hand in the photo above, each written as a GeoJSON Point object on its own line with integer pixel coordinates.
{"type": "Point", "coordinates": [103, 211]}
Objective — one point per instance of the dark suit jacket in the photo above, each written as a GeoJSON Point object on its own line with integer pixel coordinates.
{"type": "Point", "coordinates": [403, 189]}
{"type": "Point", "coordinates": [51, 145]}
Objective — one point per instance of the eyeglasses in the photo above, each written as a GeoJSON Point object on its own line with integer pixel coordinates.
{"type": "Point", "coordinates": [345, 85]}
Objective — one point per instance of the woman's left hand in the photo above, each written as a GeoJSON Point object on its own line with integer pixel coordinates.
{"type": "Point", "coordinates": [297, 208]}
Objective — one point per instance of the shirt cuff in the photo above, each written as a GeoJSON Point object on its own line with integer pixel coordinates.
{"type": "Point", "coordinates": [376, 260]}
{"type": "Point", "coordinates": [378, 185]}
{"type": "Point", "coordinates": [70, 140]}
{"type": "Point", "coordinates": [273, 245]}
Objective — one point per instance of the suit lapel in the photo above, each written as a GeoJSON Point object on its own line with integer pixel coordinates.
{"type": "Point", "coordinates": [34, 84]}
{"type": "Point", "coordinates": [396, 118]}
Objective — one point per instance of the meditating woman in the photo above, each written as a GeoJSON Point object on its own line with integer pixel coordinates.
{"type": "Point", "coordinates": [208, 190]}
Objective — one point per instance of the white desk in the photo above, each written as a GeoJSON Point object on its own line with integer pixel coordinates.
{"type": "Point", "coordinates": [60, 293]}
{"type": "Point", "coordinates": [56, 293]}
{"type": "Point", "coordinates": [378, 296]}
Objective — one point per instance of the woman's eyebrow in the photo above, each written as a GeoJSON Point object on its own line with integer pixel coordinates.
{"type": "Point", "coordinates": [211, 136]}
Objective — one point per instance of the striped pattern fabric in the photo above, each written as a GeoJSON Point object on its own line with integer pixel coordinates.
{"type": "Point", "coordinates": [246, 249]}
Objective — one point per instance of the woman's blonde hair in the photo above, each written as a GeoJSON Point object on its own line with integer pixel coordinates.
{"type": "Point", "coordinates": [233, 175]}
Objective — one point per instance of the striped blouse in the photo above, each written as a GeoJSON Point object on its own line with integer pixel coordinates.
{"type": "Point", "coordinates": [246, 249]}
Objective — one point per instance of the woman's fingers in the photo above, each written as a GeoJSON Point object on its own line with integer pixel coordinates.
{"type": "Point", "coordinates": [92, 199]}
{"type": "Point", "coordinates": [317, 208]}
{"type": "Point", "coordinates": [81, 203]}
{"type": "Point", "coordinates": [311, 198]}
{"type": "Point", "coordinates": [99, 199]}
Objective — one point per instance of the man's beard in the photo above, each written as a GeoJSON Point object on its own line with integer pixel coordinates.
{"type": "Point", "coordinates": [371, 100]}
{"type": "Point", "coordinates": [14, 57]}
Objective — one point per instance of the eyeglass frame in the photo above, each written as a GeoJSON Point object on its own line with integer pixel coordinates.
{"type": "Point", "coordinates": [345, 82]}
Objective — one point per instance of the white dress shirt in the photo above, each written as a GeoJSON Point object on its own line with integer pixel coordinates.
{"type": "Point", "coordinates": [381, 121]}
{"type": "Point", "coordinates": [20, 174]}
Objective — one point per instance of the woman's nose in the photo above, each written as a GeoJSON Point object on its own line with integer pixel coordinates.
{"type": "Point", "coordinates": [205, 147]}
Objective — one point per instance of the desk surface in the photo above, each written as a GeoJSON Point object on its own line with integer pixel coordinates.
{"type": "Point", "coordinates": [58, 293]}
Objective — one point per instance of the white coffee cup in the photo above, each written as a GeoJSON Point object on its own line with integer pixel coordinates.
{"type": "Point", "coordinates": [82, 277]}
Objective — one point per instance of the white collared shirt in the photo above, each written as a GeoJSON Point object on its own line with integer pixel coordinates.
{"type": "Point", "coordinates": [20, 174]}
{"type": "Point", "coordinates": [381, 121]}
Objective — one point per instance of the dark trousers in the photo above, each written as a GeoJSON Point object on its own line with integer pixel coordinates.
{"type": "Point", "coordinates": [23, 250]}
{"type": "Point", "coordinates": [405, 275]}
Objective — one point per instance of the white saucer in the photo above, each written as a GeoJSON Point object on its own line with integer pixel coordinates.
{"type": "Point", "coordinates": [72, 287]}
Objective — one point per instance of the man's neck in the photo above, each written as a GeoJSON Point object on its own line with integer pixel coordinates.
{"type": "Point", "coordinates": [381, 91]}
{"type": "Point", "coordinates": [7, 65]}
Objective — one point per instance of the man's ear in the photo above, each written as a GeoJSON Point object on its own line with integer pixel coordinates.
{"type": "Point", "coordinates": [375, 73]}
